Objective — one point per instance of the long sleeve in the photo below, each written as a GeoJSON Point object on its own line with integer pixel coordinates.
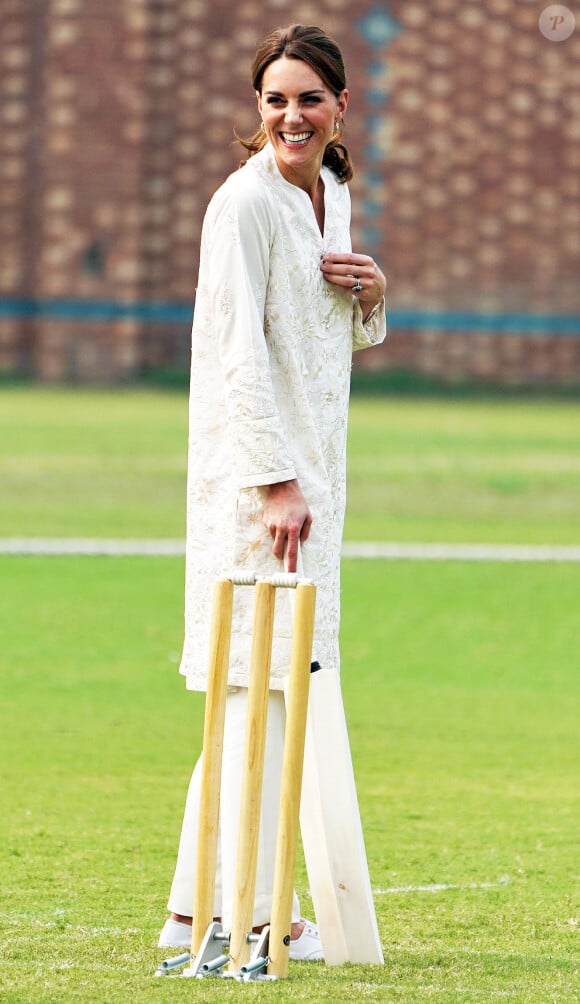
{"type": "Point", "coordinates": [371, 332]}
{"type": "Point", "coordinates": [238, 233]}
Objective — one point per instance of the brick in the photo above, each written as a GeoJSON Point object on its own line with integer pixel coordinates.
{"type": "Point", "coordinates": [464, 129]}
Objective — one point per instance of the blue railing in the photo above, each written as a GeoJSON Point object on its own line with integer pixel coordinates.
{"type": "Point", "coordinates": [468, 321]}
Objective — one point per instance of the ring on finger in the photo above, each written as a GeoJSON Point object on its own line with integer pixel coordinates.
{"type": "Point", "coordinates": [357, 288]}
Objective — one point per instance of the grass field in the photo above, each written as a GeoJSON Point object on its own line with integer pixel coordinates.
{"type": "Point", "coordinates": [112, 464]}
{"type": "Point", "coordinates": [461, 683]}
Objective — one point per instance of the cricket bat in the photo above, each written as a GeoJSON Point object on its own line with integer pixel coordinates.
{"type": "Point", "coordinates": [332, 835]}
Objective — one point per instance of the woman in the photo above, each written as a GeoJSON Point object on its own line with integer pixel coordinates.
{"type": "Point", "coordinates": [281, 303]}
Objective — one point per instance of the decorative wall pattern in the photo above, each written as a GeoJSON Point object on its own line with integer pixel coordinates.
{"type": "Point", "coordinates": [117, 123]}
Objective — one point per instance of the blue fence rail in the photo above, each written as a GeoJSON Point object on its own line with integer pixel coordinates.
{"type": "Point", "coordinates": [472, 321]}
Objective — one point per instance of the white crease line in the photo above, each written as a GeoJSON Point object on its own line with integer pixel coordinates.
{"type": "Point", "coordinates": [92, 547]}
{"type": "Point", "coordinates": [431, 991]}
{"type": "Point", "coordinates": [441, 887]}
{"type": "Point", "coordinates": [394, 551]}
{"type": "Point", "coordinates": [460, 552]}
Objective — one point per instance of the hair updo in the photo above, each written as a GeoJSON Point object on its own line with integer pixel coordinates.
{"type": "Point", "coordinates": [313, 46]}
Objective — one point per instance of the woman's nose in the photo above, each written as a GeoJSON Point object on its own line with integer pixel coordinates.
{"type": "Point", "coordinates": [293, 113]}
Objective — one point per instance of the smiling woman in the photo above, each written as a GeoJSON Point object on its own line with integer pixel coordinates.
{"type": "Point", "coordinates": [297, 111]}
{"type": "Point", "coordinates": [282, 301]}
{"type": "Point", "coordinates": [300, 118]}
{"type": "Point", "coordinates": [325, 85]}
{"type": "Point", "coordinates": [300, 82]}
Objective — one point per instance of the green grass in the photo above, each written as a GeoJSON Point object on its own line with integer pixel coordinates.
{"type": "Point", "coordinates": [461, 686]}
{"type": "Point", "coordinates": [113, 464]}
{"type": "Point", "coordinates": [461, 682]}
{"type": "Point", "coordinates": [448, 470]}
{"type": "Point", "coordinates": [92, 463]}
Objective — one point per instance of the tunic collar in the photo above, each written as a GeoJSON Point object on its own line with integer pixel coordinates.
{"type": "Point", "coordinates": [266, 158]}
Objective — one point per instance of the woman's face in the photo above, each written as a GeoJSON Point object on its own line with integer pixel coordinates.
{"type": "Point", "coordinates": [299, 114]}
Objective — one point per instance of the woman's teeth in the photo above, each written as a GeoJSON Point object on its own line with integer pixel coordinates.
{"type": "Point", "coordinates": [294, 139]}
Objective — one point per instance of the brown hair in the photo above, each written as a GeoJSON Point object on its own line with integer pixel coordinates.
{"type": "Point", "coordinates": [322, 54]}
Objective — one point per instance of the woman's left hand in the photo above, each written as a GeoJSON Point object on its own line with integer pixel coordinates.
{"type": "Point", "coordinates": [351, 271]}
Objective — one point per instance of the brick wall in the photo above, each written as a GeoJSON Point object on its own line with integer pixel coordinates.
{"type": "Point", "coordinates": [116, 125]}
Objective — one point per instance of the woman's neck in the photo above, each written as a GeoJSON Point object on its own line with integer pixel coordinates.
{"type": "Point", "coordinates": [309, 180]}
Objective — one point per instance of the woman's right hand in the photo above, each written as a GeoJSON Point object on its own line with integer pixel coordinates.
{"type": "Point", "coordinates": [288, 519]}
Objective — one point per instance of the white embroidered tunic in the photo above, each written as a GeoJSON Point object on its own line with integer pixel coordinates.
{"type": "Point", "coordinates": [272, 346]}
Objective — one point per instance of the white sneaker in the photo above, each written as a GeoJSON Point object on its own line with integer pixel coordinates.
{"type": "Point", "coordinates": [175, 935]}
{"type": "Point", "coordinates": [308, 947]}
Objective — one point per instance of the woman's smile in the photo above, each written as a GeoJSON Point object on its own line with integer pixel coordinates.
{"type": "Point", "coordinates": [300, 114]}
{"type": "Point", "coordinates": [296, 139]}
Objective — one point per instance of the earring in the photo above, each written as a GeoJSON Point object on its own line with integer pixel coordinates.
{"type": "Point", "coordinates": [262, 127]}
{"type": "Point", "coordinates": [337, 126]}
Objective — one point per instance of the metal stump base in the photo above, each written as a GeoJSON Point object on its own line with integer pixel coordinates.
{"type": "Point", "coordinates": [213, 957]}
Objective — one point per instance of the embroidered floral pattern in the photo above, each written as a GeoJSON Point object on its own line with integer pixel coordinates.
{"type": "Point", "coordinates": [271, 359]}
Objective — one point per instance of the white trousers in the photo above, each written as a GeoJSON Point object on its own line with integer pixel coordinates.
{"type": "Point", "coordinates": [182, 889]}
